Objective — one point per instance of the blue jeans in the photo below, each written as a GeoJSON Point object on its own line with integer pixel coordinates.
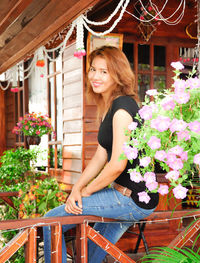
{"type": "Point", "coordinates": [106, 203]}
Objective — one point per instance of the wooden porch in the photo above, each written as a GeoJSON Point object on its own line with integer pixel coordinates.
{"type": "Point", "coordinates": [28, 229]}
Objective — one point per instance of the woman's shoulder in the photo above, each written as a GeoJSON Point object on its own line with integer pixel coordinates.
{"type": "Point", "coordinates": [124, 102]}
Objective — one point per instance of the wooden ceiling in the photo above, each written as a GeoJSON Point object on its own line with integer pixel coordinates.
{"type": "Point", "coordinates": [27, 24]}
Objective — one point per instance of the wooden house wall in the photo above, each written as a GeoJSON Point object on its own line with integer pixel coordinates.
{"type": "Point", "coordinates": [9, 119]}
{"type": "Point", "coordinates": [72, 115]}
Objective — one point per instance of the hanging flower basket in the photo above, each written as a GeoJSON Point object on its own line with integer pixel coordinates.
{"type": "Point", "coordinates": [33, 140]}
{"type": "Point", "coordinates": [33, 124]}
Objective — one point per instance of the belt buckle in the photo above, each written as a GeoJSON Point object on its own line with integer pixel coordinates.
{"type": "Point", "coordinates": [124, 191]}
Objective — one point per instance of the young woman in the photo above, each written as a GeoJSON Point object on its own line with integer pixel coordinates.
{"type": "Point", "coordinates": [110, 85]}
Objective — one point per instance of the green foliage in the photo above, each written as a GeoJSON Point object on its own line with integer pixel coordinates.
{"type": "Point", "coordinates": [15, 163]}
{"type": "Point", "coordinates": [169, 255]}
{"type": "Point", "coordinates": [36, 195]}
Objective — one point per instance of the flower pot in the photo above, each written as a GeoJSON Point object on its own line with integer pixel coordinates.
{"type": "Point", "coordinates": [33, 140]}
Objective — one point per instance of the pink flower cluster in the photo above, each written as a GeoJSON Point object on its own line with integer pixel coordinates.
{"type": "Point", "coordinates": [169, 135]}
{"type": "Point", "coordinates": [80, 53]}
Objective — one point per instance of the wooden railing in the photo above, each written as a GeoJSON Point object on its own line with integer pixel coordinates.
{"type": "Point", "coordinates": [28, 235]}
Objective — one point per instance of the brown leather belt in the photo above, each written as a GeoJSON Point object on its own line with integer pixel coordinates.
{"type": "Point", "coordinates": [122, 189]}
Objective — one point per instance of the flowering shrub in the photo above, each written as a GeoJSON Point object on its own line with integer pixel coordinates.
{"type": "Point", "coordinates": [33, 124]}
{"type": "Point", "coordinates": [35, 199]}
{"type": "Point", "coordinates": [169, 135]}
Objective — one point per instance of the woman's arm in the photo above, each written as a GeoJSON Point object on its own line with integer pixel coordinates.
{"type": "Point", "coordinates": [114, 167]}
{"type": "Point", "coordinates": [92, 170]}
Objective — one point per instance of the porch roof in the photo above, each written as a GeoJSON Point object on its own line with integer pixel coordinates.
{"type": "Point", "coordinates": [25, 25]}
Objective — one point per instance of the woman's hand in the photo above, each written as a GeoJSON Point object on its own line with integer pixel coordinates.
{"type": "Point", "coordinates": [84, 192]}
{"type": "Point", "coordinates": [71, 203]}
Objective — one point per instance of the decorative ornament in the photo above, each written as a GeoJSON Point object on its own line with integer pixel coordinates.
{"type": "Point", "coordinates": [148, 21]}
{"type": "Point", "coordinates": [191, 30]}
{"type": "Point", "coordinates": [146, 30]}
{"type": "Point", "coordinates": [80, 50]}
{"type": "Point", "coordinates": [40, 58]}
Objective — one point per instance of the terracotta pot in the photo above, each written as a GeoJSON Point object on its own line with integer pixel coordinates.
{"type": "Point", "coordinates": [33, 140]}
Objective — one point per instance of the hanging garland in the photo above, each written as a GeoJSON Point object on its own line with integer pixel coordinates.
{"type": "Point", "coordinates": [41, 55]}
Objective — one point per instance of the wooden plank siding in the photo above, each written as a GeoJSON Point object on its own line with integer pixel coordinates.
{"type": "Point", "coordinates": [72, 115]}
{"type": "Point", "coordinates": [9, 118]}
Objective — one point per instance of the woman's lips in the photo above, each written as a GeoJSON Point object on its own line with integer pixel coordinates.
{"type": "Point", "coordinates": [96, 84]}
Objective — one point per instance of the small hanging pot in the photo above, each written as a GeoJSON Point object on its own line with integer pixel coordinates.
{"type": "Point", "coordinates": [33, 140]}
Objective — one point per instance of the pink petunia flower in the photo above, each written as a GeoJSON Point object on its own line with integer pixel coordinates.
{"type": "Point", "coordinates": [197, 159]}
{"type": "Point", "coordinates": [172, 175]}
{"type": "Point", "coordinates": [149, 177]}
{"type": "Point", "coordinates": [182, 97]}
{"type": "Point", "coordinates": [193, 83]}
{"type": "Point", "coordinates": [177, 125]}
{"type": "Point", "coordinates": [144, 197]}
{"type": "Point", "coordinates": [136, 177]}
{"type": "Point", "coordinates": [177, 150]}
{"type": "Point", "coordinates": [183, 135]}
{"type": "Point", "coordinates": [177, 65]}
{"type": "Point", "coordinates": [184, 156]}
{"type": "Point", "coordinates": [176, 165]}
{"type": "Point", "coordinates": [132, 126]}
{"type": "Point", "coordinates": [179, 86]}
{"type": "Point", "coordinates": [163, 189]}
{"type": "Point", "coordinates": [145, 112]}
{"type": "Point", "coordinates": [130, 152]}
{"type": "Point", "coordinates": [154, 143]}
{"type": "Point", "coordinates": [180, 192]}
{"type": "Point", "coordinates": [161, 123]}
{"type": "Point", "coordinates": [152, 185]}
{"type": "Point", "coordinates": [145, 161]}
{"type": "Point", "coordinates": [161, 155]}
{"type": "Point", "coordinates": [168, 103]}
{"type": "Point", "coordinates": [194, 126]}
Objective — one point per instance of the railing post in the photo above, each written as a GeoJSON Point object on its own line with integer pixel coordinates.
{"type": "Point", "coordinates": [56, 243]}
{"type": "Point", "coordinates": [31, 246]}
{"type": "Point", "coordinates": [81, 243]}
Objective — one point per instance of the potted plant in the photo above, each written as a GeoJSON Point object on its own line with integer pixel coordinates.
{"type": "Point", "coordinates": [167, 132]}
{"type": "Point", "coordinates": [33, 126]}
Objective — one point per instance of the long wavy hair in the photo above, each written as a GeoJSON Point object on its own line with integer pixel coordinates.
{"type": "Point", "coordinates": [120, 71]}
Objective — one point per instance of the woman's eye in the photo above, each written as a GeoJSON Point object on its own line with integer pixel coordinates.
{"type": "Point", "coordinates": [104, 72]}
{"type": "Point", "coordinates": [92, 69]}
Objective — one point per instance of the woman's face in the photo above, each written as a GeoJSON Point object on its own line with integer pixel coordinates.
{"type": "Point", "coordinates": [100, 78]}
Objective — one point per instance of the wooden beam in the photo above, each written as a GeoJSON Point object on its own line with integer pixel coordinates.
{"type": "Point", "coordinates": [107, 246]}
{"type": "Point", "coordinates": [186, 235]}
{"type": "Point", "coordinates": [18, 241]}
{"type": "Point", "coordinates": [14, 9]}
{"type": "Point", "coordinates": [55, 16]}
{"type": "Point", "coordinates": [21, 17]}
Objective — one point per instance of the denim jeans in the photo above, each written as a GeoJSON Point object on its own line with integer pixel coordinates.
{"type": "Point", "coordinates": [106, 203]}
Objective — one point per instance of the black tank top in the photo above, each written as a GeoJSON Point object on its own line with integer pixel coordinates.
{"type": "Point", "coordinates": [105, 138]}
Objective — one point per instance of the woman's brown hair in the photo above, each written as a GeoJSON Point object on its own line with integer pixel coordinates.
{"type": "Point", "coordinates": [120, 71]}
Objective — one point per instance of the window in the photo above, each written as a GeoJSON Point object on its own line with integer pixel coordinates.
{"type": "Point", "coordinates": [149, 64]}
